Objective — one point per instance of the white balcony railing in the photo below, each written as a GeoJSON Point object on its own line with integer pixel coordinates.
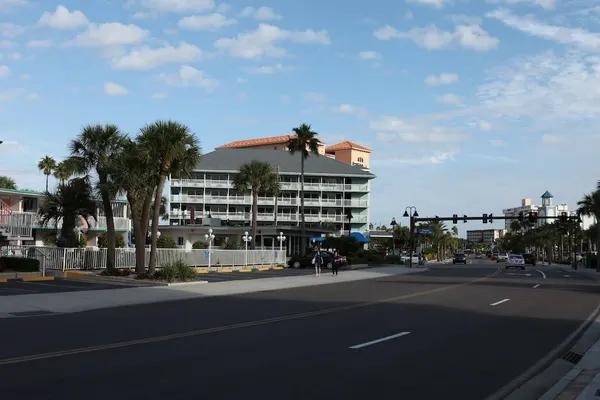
{"type": "Point", "coordinates": [121, 224]}
{"type": "Point", "coordinates": [321, 186]}
{"type": "Point", "coordinates": [17, 224]}
{"type": "Point", "coordinates": [282, 201]}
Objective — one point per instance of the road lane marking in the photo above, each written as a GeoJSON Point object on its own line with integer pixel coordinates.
{"type": "Point", "coordinates": [383, 339]}
{"type": "Point", "coordinates": [499, 302]}
{"type": "Point", "coordinates": [201, 332]}
{"type": "Point", "coordinates": [566, 276]}
{"type": "Point", "coordinates": [536, 286]}
{"type": "Point", "coordinates": [541, 272]}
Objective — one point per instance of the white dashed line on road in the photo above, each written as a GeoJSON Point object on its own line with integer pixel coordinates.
{"type": "Point", "coordinates": [499, 302]}
{"type": "Point", "coordinates": [541, 272]}
{"type": "Point", "coordinates": [536, 286]}
{"type": "Point", "coordinates": [383, 339]}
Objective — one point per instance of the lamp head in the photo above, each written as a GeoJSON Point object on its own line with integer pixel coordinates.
{"type": "Point", "coordinates": [415, 214]}
{"type": "Point", "coordinates": [405, 213]}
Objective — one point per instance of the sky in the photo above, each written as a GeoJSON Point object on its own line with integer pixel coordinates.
{"type": "Point", "coordinates": [468, 106]}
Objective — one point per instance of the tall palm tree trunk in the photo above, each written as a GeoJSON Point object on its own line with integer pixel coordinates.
{"type": "Point", "coordinates": [139, 235]}
{"type": "Point", "coordinates": [597, 245]}
{"type": "Point", "coordinates": [302, 220]}
{"type": "Point", "coordinates": [155, 217]}
{"type": "Point", "coordinates": [47, 175]}
{"type": "Point", "coordinates": [254, 218]}
{"type": "Point", "coordinates": [111, 235]}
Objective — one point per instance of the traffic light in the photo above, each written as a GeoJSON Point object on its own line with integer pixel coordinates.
{"type": "Point", "coordinates": [491, 217]}
{"type": "Point", "coordinates": [454, 218]}
{"type": "Point", "coordinates": [521, 217]}
{"type": "Point", "coordinates": [532, 218]}
{"type": "Point", "coordinates": [563, 217]}
{"type": "Point", "coordinates": [485, 218]}
{"type": "Point", "coordinates": [465, 219]}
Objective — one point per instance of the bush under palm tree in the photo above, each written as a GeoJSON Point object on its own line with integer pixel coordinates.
{"type": "Point", "coordinates": [256, 177]}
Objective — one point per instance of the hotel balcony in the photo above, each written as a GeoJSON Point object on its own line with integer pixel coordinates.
{"type": "Point", "coordinates": [293, 186]}
{"type": "Point", "coordinates": [16, 225]}
{"type": "Point", "coordinates": [281, 217]}
{"type": "Point", "coordinates": [121, 224]}
{"type": "Point", "coordinates": [247, 200]}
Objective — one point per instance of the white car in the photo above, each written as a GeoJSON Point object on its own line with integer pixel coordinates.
{"type": "Point", "coordinates": [502, 257]}
{"type": "Point", "coordinates": [515, 261]}
{"type": "Point", "coordinates": [406, 259]}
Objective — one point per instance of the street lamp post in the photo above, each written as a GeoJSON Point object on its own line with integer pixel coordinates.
{"type": "Point", "coordinates": [281, 239]}
{"type": "Point", "coordinates": [393, 224]}
{"type": "Point", "coordinates": [247, 239]}
{"type": "Point", "coordinates": [411, 211]}
{"type": "Point", "coordinates": [209, 238]}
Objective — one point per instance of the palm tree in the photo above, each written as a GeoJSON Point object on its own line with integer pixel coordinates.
{"type": "Point", "coordinates": [69, 203]}
{"type": "Point", "coordinates": [47, 165]}
{"type": "Point", "coordinates": [93, 150]}
{"type": "Point", "coordinates": [174, 150]}
{"type": "Point", "coordinates": [589, 206]}
{"type": "Point", "coordinates": [256, 177]}
{"type": "Point", "coordinates": [306, 143]}
{"type": "Point", "coordinates": [6, 182]}
{"type": "Point", "coordinates": [61, 172]}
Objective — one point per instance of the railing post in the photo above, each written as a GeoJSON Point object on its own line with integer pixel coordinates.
{"type": "Point", "coordinates": [64, 263]}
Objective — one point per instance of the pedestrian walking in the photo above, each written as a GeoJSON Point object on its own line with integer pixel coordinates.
{"type": "Point", "coordinates": [335, 263]}
{"type": "Point", "coordinates": [318, 261]}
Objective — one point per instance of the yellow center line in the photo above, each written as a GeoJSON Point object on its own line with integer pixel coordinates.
{"type": "Point", "coordinates": [129, 343]}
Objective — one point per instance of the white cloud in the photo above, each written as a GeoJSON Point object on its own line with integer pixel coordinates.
{"type": "Point", "coordinates": [432, 38]}
{"type": "Point", "coordinates": [369, 55]}
{"type": "Point", "coordinates": [10, 30]}
{"type": "Point", "coordinates": [438, 157]}
{"type": "Point", "coordinates": [450, 99]}
{"type": "Point", "coordinates": [573, 36]}
{"type": "Point", "coordinates": [158, 96]}
{"type": "Point", "coordinates": [393, 129]}
{"type": "Point", "coordinates": [151, 14]}
{"type": "Point", "coordinates": [497, 142]}
{"type": "Point", "coordinates": [7, 43]}
{"type": "Point", "coordinates": [223, 8]}
{"type": "Point", "coordinates": [441, 79]}
{"type": "Point", "coordinates": [6, 5]}
{"type": "Point", "coordinates": [262, 41]}
{"type": "Point", "coordinates": [206, 22]}
{"type": "Point", "coordinates": [285, 99]}
{"type": "Point", "coordinates": [33, 96]}
{"type": "Point", "coordinates": [461, 19]}
{"type": "Point", "coordinates": [241, 81]}
{"type": "Point", "coordinates": [261, 13]}
{"type": "Point", "coordinates": [314, 97]}
{"type": "Point", "coordinates": [545, 4]}
{"type": "Point", "coordinates": [485, 125]}
{"type": "Point", "coordinates": [110, 34]}
{"type": "Point", "coordinates": [268, 69]}
{"type": "Point", "coordinates": [16, 56]}
{"type": "Point", "coordinates": [352, 110]}
{"type": "Point", "coordinates": [39, 43]}
{"type": "Point", "coordinates": [147, 57]}
{"type": "Point", "coordinates": [179, 6]}
{"type": "Point", "coordinates": [547, 138]}
{"type": "Point", "coordinates": [433, 3]}
{"type": "Point", "coordinates": [112, 89]}
{"type": "Point", "coordinates": [62, 18]}
{"type": "Point", "coordinates": [4, 71]}
{"type": "Point", "coordinates": [190, 76]}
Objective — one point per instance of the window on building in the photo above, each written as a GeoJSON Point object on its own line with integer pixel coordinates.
{"type": "Point", "coordinates": [180, 241]}
{"type": "Point", "coordinates": [30, 204]}
{"type": "Point", "coordinates": [360, 160]}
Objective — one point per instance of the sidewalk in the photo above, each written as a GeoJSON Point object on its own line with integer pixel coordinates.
{"type": "Point", "coordinates": [50, 303]}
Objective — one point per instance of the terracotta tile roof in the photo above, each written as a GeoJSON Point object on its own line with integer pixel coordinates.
{"type": "Point", "coordinates": [257, 142]}
{"type": "Point", "coordinates": [346, 146]}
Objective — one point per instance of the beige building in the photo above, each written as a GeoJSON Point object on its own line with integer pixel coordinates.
{"type": "Point", "coordinates": [485, 235]}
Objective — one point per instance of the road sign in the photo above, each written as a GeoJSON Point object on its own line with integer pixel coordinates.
{"type": "Point", "coordinates": [424, 230]}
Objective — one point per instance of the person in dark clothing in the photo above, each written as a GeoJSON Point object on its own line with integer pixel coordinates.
{"type": "Point", "coordinates": [335, 263]}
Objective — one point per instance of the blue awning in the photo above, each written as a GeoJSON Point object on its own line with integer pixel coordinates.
{"type": "Point", "coordinates": [317, 239]}
{"type": "Point", "coordinates": [360, 238]}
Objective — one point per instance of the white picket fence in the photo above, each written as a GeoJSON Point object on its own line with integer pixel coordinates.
{"type": "Point", "coordinates": [64, 259]}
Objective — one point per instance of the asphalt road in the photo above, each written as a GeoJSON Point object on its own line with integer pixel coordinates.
{"type": "Point", "coordinates": [445, 339]}
{"type": "Point", "coordinates": [15, 288]}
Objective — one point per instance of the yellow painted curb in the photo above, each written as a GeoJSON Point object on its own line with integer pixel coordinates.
{"type": "Point", "coordinates": [225, 270]}
{"type": "Point", "coordinates": [74, 274]}
{"type": "Point", "coordinates": [263, 269]}
{"type": "Point", "coordinates": [37, 278]}
{"type": "Point", "coordinates": [3, 280]}
{"type": "Point", "coordinates": [245, 270]}
{"type": "Point", "coordinates": [202, 271]}
{"type": "Point", "coordinates": [277, 268]}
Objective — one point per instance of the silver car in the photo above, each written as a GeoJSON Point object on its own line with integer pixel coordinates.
{"type": "Point", "coordinates": [515, 261]}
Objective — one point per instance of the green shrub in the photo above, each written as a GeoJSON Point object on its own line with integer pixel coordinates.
{"type": "Point", "coordinates": [176, 271]}
{"type": "Point", "coordinates": [103, 240]}
{"type": "Point", "coordinates": [19, 264]}
{"type": "Point", "coordinates": [51, 240]}
{"type": "Point", "coordinates": [166, 242]}
{"type": "Point", "coordinates": [393, 259]}
{"type": "Point", "coordinates": [199, 245]}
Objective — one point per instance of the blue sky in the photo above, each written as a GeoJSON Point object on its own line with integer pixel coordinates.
{"type": "Point", "coordinates": [468, 106]}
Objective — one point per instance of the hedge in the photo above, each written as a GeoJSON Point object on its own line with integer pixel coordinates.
{"type": "Point", "coordinates": [19, 264]}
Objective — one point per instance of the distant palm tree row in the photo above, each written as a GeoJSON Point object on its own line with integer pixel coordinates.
{"type": "Point", "coordinates": [103, 163]}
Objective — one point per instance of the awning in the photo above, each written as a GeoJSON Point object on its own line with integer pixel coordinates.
{"type": "Point", "coordinates": [317, 239]}
{"type": "Point", "coordinates": [360, 238]}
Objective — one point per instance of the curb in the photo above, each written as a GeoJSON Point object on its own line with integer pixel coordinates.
{"type": "Point", "coordinates": [225, 270]}
{"type": "Point", "coordinates": [185, 283]}
{"type": "Point", "coordinates": [245, 270]}
{"type": "Point", "coordinates": [37, 278]}
{"type": "Point", "coordinates": [3, 280]}
{"type": "Point", "coordinates": [534, 382]}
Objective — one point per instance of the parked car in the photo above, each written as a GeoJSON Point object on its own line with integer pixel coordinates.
{"type": "Point", "coordinates": [303, 262]}
{"type": "Point", "coordinates": [515, 261]}
{"type": "Point", "coordinates": [460, 258]}
{"type": "Point", "coordinates": [406, 259]}
{"type": "Point", "coordinates": [478, 255]}
{"type": "Point", "coordinates": [530, 259]}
